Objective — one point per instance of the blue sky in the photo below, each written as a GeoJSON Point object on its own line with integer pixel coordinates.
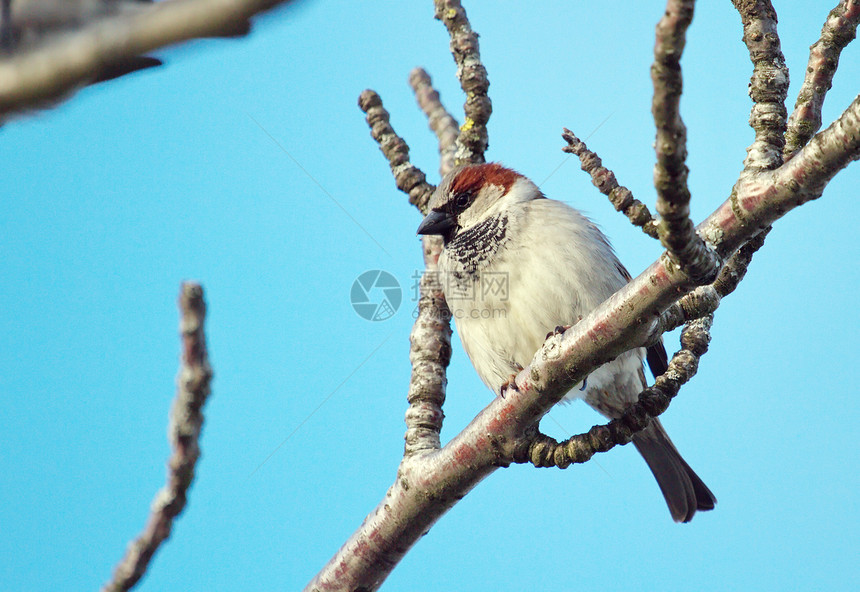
{"type": "Point", "coordinates": [117, 196]}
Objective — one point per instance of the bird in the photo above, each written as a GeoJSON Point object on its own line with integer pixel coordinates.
{"type": "Point", "coordinates": [516, 266]}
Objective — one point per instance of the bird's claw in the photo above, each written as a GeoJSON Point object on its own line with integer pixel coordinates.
{"type": "Point", "coordinates": [559, 330]}
{"type": "Point", "coordinates": [510, 383]}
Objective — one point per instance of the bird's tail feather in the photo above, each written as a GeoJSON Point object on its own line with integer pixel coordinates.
{"type": "Point", "coordinates": [684, 491]}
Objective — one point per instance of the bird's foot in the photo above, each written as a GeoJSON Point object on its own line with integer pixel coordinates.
{"type": "Point", "coordinates": [510, 383]}
{"type": "Point", "coordinates": [559, 330]}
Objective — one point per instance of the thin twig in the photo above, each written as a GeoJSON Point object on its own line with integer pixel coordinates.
{"type": "Point", "coordinates": [838, 31]}
{"type": "Point", "coordinates": [676, 230]}
{"type": "Point", "coordinates": [430, 341]}
{"type": "Point", "coordinates": [409, 179]}
{"type": "Point", "coordinates": [186, 421]}
{"type": "Point", "coordinates": [441, 122]}
{"type": "Point", "coordinates": [604, 179]}
{"type": "Point", "coordinates": [473, 139]}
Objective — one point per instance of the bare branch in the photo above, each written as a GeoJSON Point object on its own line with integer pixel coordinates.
{"type": "Point", "coordinates": [621, 198]}
{"type": "Point", "coordinates": [676, 230]}
{"type": "Point", "coordinates": [472, 75]}
{"type": "Point", "coordinates": [838, 31]}
{"type": "Point", "coordinates": [30, 79]}
{"type": "Point", "coordinates": [696, 310]}
{"type": "Point", "coordinates": [441, 122]}
{"type": "Point", "coordinates": [704, 300]}
{"type": "Point", "coordinates": [431, 480]}
{"type": "Point", "coordinates": [409, 178]}
{"type": "Point", "coordinates": [430, 342]}
{"type": "Point", "coordinates": [186, 421]}
{"type": "Point", "coordinates": [768, 85]}
{"type": "Point", "coordinates": [543, 451]}
{"type": "Point", "coordinates": [430, 354]}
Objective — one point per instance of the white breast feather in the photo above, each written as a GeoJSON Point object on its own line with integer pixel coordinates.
{"type": "Point", "coordinates": [500, 328]}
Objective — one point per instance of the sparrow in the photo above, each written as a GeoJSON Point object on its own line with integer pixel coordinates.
{"type": "Point", "coordinates": [516, 266]}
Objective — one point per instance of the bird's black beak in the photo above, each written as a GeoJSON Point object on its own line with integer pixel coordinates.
{"type": "Point", "coordinates": [437, 223]}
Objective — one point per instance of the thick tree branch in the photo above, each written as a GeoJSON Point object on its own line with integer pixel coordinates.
{"type": "Point", "coordinates": [441, 122]}
{"type": "Point", "coordinates": [472, 75]}
{"type": "Point", "coordinates": [30, 79]}
{"type": "Point", "coordinates": [621, 198]}
{"type": "Point", "coordinates": [676, 230]}
{"type": "Point", "coordinates": [186, 421]}
{"type": "Point", "coordinates": [409, 178]}
{"type": "Point", "coordinates": [838, 31]}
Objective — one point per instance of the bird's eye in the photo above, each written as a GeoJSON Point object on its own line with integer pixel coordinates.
{"type": "Point", "coordinates": [462, 201]}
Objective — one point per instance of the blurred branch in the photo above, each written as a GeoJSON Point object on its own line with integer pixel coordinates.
{"type": "Point", "coordinates": [441, 122]}
{"type": "Point", "coordinates": [676, 230]}
{"type": "Point", "coordinates": [621, 198]}
{"type": "Point", "coordinates": [838, 31]}
{"type": "Point", "coordinates": [186, 421]}
{"type": "Point", "coordinates": [473, 140]}
{"type": "Point", "coordinates": [48, 72]}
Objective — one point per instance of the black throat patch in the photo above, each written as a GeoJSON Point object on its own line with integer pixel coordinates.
{"type": "Point", "coordinates": [473, 247]}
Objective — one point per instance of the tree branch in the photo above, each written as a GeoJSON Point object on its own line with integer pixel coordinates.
{"type": "Point", "coordinates": [472, 75]}
{"type": "Point", "coordinates": [441, 122]}
{"type": "Point", "coordinates": [186, 421]}
{"type": "Point", "coordinates": [696, 311]}
{"type": "Point", "coordinates": [621, 198]}
{"type": "Point", "coordinates": [768, 85]}
{"type": "Point", "coordinates": [430, 341]}
{"type": "Point", "coordinates": [676, 230]}
{"type": "Point", "coordinates": [409, 179]}
{"type": "Point", "coordinates": [704, 300]}
{"type": "Point", "coordinates": [838, 31]}
{"type": "Point", "coordinates": [31, 78]}
{"type": "Point", "coordinates": [544, 451]}
{"type": "Point", "coordinates": [429, 354]}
